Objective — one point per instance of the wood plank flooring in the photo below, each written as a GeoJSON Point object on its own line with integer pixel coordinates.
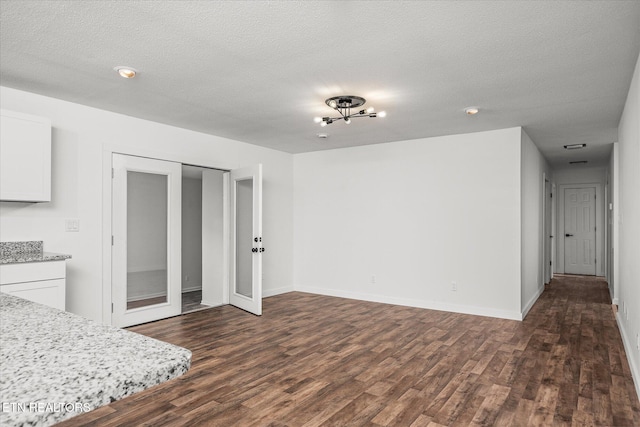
{"type": "Point", "coordinates": [321, 361]}
{"type": "Point", "coordinates": [191, 302]}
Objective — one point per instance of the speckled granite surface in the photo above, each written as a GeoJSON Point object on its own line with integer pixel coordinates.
{"type": "Point", "coordinates": [30, 251]}
{"type": "Point", "coordinates": [17, 248]}
{"type": "Point", "coordinates": [41, 257]}
{"type": "Point", "coordinates": [55, 365]}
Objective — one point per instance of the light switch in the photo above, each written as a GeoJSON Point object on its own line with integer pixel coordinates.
{"type": "Point", "coordinates": [72, 225]}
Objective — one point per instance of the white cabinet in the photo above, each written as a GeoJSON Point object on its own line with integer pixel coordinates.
{"type": "Point", "coordinates": [41, 282]}
{"type": "Point", "coordinates": [25, 158]}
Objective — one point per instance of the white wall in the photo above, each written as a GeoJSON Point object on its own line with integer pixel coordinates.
{"type": "Point", "coordinates": [534, 167]}
{"type": "Point", "coordinates": [80, 137]}
{"type": "Point", "coordinates": [192, 234]}
{"type": "Point", "coordinates": [579, 174]}
{"type": "Point", "coordinates": [399, 222]}
{"type": "Point", "coordinates": [628, 220]}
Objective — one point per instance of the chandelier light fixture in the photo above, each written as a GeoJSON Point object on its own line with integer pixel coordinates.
{"type": "Point", "coordinates": [344, 104]}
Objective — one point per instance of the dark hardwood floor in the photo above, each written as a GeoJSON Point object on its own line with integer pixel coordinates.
{"type": "Point", "coordinates": [314, 360]}
{"type": "Point", "coordinates": [191, 302]}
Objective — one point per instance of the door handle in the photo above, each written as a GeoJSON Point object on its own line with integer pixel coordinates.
{"type": "Point", "coordinates": [568, 235]}
{"type": "Point", "coordinates": [261, 249]}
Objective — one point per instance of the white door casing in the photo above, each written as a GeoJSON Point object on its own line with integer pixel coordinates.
{"type": "Point", "coordinates": [547, 231]}
{"type": "Point", "coordinates": [246, 246]}
{"type": "Point", "coordinates": [169, 174]}
{"type": "Point", "coordinates": [580, 231]}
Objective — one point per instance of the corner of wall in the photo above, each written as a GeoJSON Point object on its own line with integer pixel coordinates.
{"type": "Point", "coordinates": [532, 173]}
{"type": "Point", "coordinates": [627, 219]}
{"type": "Point", "coordinates": [527, 307]}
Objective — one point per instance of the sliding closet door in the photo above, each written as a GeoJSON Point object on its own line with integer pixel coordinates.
{"type": "Point", "coordinates": [146, 249]}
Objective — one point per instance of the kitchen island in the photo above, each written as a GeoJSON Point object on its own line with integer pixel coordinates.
{"type": "Point", "coordinates": [55, 365]}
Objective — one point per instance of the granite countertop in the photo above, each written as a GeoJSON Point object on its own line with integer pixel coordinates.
{"type": "Point", "coordinates": [33, 257]}
{"type": "Point", "coordinates": [55, 365]}
{"type": "Point", "coordinates": [30, 251]}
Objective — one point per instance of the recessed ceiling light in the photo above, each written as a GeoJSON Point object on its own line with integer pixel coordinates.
{"type": "Point", "coordinates": [574, 146]}
{"type": "Point", "coordinates": [126, 72]}
{"type": "Point", "coordinates": [323, 136]}
{"type": "Point", "coordinates": [470, 111]}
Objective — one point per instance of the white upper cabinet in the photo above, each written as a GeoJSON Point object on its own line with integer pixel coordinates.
{"type": "Point", "coordinates": [25, 158]}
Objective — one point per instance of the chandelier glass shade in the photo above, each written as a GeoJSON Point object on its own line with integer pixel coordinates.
{"type": "Point", "coordinates": [347, 107]}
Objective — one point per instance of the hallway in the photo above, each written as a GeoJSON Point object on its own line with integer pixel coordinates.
{"type": "Point", "coordinates": [586, 367]}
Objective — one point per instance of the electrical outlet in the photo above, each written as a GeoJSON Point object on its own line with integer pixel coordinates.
{"type": "Point", "coordinates": [72, 225]}
{"type": "Point", "coordinates": [454, 286]}
{"type": "Point", "coordinates": [186, 278]}
{"type": "Point", "coordinates": [373, 279]}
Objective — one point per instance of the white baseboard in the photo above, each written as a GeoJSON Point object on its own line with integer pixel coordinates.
{"type": "Point", "coordinates": [532, 301]}
{"type": "Point", "coordinates": [266, 293]}
{"type": "Point", "coordinates": [147, 269]}
{"type": "Point", "coordinates": [629, 349]}
{"type": "Point", "coordinates": [212, 303]}
{"type": "Point", "coordinates": [408, 302]}
{"type": "Point", "coordinates": [192, 288]}
{"type": "Point", "coordinates": [146, 296]}
{"type": "Point", "coordinates": [159, 294]}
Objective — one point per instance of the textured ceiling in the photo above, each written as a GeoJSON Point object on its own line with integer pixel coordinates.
{"type": "Point", "coordinates": [259, 72]}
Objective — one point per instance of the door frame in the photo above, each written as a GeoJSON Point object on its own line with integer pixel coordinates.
{"type": "Point", "coordinates": [108, 150]}
{"type": "Point", "coordinates": [598, 221]}
{"type": "Point", "coordinates": [547, 230]}
{"type": "Point", "coordinates": [209, 295]}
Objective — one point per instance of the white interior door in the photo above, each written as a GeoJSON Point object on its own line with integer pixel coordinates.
{"type": "Point", "coordinates": [245, 290]}
{"type": "Point", "coordinates": [146, 250]}
{"type": "Point", "coordinates": [580, 231]}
